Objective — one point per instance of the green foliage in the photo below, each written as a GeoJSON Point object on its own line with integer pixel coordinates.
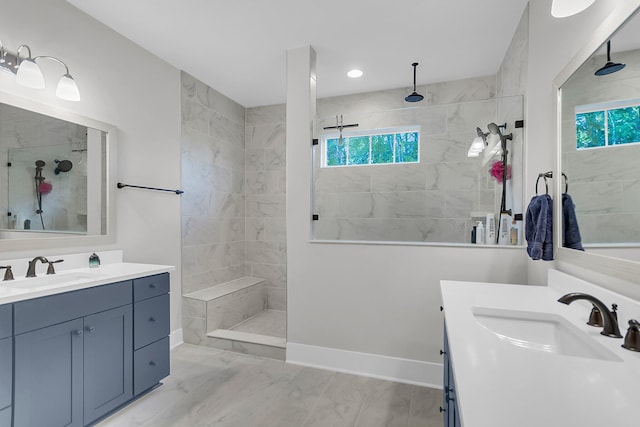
{"type": "Point", "coordinates": [382, 148]}
{"type": "Point", "coordinates": [389, 148]}
{"type": "Point", "coordinates": [358, 150]}
{"type": "Point", "coordinates": [336, 153]}
{"type": "Point", "coordinates": [622, 126]}
{"type": "Point", "coordinates": [590, 130]}
{"type": "Point", "coordinates": [406, 147]}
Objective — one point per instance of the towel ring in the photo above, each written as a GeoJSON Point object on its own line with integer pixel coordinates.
{"type": "Point", "coordinates": [546, 184]}
{"type": "Point", "coordinates": [549, 174]}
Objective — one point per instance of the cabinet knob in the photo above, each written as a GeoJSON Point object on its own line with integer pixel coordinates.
{"type": "Point", "coordinates": [152, 319]}
{"type": "Point", "coordinates": [442, 410]}
{"type": "Point", "coordinates": [152, 363]}
{"type": "Point", "coordinates": [152, 285]}
{"type": "Point", "coordinates": [441, 308]}
{"type": "Point", "coordinates": [90, 328]}
{"type": "Point", "coordinates": [77, 332]}
{"type": "Point", "coordinates": [442, 352]}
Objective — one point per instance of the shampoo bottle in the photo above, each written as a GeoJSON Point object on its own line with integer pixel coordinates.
{"type": "Point", "coordinates": [480, 233]}
{"type": "Point", "coordinates": [490, 229]}
{"type": "Point", "coordinates": [505, 222]}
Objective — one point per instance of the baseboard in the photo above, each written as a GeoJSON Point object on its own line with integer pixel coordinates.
{"type": "Point", "coordinates": [369, 365]}
{"type": "Point", "coordinates": [175, 338]}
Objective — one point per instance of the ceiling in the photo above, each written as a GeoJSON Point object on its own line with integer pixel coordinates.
{"type": "Point", "coordinates": [239, 46]}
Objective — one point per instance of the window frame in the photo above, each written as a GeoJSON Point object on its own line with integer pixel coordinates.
{"type": "Point", "coordinates": [604, 107]}
{"type": "Point", "coordinates": [368, 132]}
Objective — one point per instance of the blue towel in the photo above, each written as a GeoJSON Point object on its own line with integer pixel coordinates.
{"type": "Point", "coordinates": [570, 231]}
{"type": "Point", "coordinates": [539, 228]}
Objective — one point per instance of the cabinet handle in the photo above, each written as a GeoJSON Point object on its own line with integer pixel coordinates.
{"type": "Point", "coordinates": [90, 328]}
{"type": "Point", "coordinates": [152, 319]}
{"type": "Point", "coordinates": [152, 363]}
{"type": "Point", "coordinates": [77, 332]}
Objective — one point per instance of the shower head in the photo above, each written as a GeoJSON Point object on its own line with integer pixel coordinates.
{"type": "Point", "coordinates": [415, 96]}
{"type": "Point", "coordinates": [609, 67]}
{"type": "Point", "coordinates": [40, 163]}
{"type": "Point", "coordinates": [63, 166]}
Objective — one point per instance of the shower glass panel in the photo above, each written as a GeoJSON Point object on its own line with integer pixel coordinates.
{"type": "Point", "coordinates": [410, 179]}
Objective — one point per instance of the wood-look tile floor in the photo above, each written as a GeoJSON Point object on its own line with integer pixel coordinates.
{"type": "Point", "coordinates": [208, 387]}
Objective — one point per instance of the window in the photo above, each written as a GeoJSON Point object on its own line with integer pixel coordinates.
{"type": "Point", "coordinates": [604, 125]}
{"type": "Point", "coordinates": [386, 146]}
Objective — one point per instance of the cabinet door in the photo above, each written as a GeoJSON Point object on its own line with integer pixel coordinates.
{"type": "Point", "coordinates": [48, 376]}
{"type": "Point", "coordinates": [108, 361]}
{"type": "Point", "coordinates": [6, 371]}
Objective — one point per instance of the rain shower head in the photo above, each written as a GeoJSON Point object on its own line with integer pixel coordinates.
{"type": "Point", "coordinates": [62, 166]}
{"type": "Point", "coordinates": [415, 96]}
{"type": "Point", "coordinates": [609, 67]}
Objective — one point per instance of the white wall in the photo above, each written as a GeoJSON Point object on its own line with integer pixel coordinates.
{"type": "Point", "coordinates": [124, 85]}
{"type": "Point", "coordinates": [552, 44]}
{"type": "Point", "coordinates": [380, 300]}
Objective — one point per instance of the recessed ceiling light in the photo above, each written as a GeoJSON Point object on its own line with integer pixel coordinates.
{"type": "Point", "coordinates": [355, 73]}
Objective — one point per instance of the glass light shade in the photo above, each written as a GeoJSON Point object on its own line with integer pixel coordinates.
{"type": "Point", "coordinates": [29, 74]}
{"type": "Point", "coordinates": [477, 144]}
{"type": "Point", "coordinates": [355, 73]}
{"type": "Point", "coordinates": [68, 89]}
{"type": "Point", "coordinates": [564, 8]}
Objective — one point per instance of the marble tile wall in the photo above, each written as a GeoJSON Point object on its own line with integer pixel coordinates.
{"type": "Point", "coordinates": [213, 178]}
{"type": "Point", "coordinates": [604, 183]}
{"type": "Point", "coordinates": [431, 201]}
{"type": "Point", "coordinates": [265, 221]}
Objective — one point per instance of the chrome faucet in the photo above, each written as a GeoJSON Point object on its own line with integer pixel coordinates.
{"type": "Point", "coordinates": [610, 322]}
{"type": "Point", "coordinates": [31, 271]}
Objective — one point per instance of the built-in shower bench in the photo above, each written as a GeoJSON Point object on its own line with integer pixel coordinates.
{"type": "Point", "coordinates": [232, 316]}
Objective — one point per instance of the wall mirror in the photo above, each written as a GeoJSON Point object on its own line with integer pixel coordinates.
{"type": "Point", "coordinates": [598, 117]}
{"type": "Point", "coordinates": [56, 174]}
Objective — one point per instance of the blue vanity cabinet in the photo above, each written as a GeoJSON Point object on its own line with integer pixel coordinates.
{"type": "Point", "coordinates": [73, 356]}
{"type": "Point", "coordinates": [150, 331]}
{"type": "Point", "coordinates": [451, 415]}
{"type": "Point", "coordinates": [6, 363]}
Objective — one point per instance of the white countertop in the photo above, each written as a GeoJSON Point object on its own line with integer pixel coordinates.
{"type": "Point", "coordinates": [499, 384]}
{"type": "Point", "coordinates": [73, 277]}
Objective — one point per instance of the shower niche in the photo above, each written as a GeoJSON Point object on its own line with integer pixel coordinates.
{"type": "Point", "coordinates": [388, 171]}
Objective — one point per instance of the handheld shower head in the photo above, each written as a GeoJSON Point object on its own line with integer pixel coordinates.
{"type": "Point", "coordinates": [40, 163]}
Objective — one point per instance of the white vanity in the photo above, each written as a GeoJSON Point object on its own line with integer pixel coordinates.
{"type": "Point", "coordinates": [517, 357]}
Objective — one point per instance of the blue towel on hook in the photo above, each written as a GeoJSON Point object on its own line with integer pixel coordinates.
{"type": "Point", "coordinates": [570, 232]}
{"type": "Point", "coordinates": [539, 228]}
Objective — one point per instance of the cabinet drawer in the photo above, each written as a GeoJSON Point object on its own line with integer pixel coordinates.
{"type": "Point", "coordinates": [6, 372]}
{"type": "Point", "coordinates": [5, 416]}
{"type": "Point", "coordinates": [6, 320]}
{"type": "Point", "coordinates": [40, 312]}
{"type": "Point", "coordinates": [150, 365]}
{"type": "Point", "coordinates": [151, 286]}
{"type": "Point", "coordinates": [150, 320]}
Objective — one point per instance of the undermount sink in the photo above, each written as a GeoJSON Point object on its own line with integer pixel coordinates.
{"type": "Point", "coordinates": [545, 332]}
{"type": "Point", "coordinates": [51, 280]}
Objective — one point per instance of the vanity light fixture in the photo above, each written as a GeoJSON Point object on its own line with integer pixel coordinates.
{"type": "Point", "coordinates": [28, 73]}
{"type": "Point", "coordinates": [565, 8]}
{"type": "Point", "coordinates": [355, 73]}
